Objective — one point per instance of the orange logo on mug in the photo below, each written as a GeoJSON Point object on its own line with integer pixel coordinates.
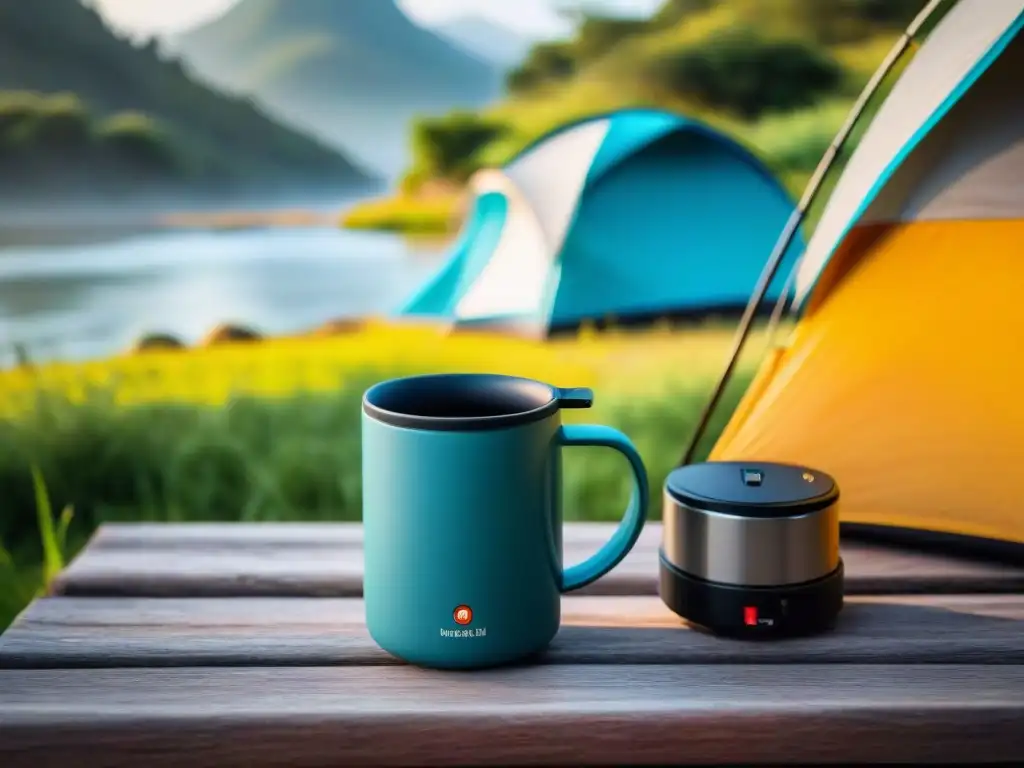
{"type": "Point", "coordinates": [463, 615]}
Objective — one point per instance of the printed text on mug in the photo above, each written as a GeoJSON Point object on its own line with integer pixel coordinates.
{"type": "Point", "coordinates": [481, 632]}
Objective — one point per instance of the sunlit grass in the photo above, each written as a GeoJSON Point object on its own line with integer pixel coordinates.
{"type": "Point", "coordinates": [620, 359]}
{"type": "Point", "coordinates": [405, 213]}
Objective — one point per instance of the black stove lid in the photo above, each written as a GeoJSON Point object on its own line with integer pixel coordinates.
{"type": "Point", "coordinates": [752, 489]}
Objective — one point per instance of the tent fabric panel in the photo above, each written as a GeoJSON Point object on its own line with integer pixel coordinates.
{"type": "Point", "coordinates": [857, 245]}
{"type": "Point", "coordinates": [956, 52]}
{"type": "Point", "coordinates": [519, 276]}
{"type": "Point", "coordinates": [754, 393]}
{"type": "Point", "coordinates": [971, 164]}
{"type": "Point", "coordinates": [681, 224]}
{"type": "Point", "coordinates": [552, 175]}
{"type": "Point", "coordinates": [905, 383]}
{"type": "Point", "coordinates": [507, 278]}
{"type": "Point", "coordinates": [629, 133]}
{"type": "Point", "coordinates": [477, 241]}
{"type": "Point", "coordinates": [435, 297]}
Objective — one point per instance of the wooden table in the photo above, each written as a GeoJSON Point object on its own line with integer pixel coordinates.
{"type": "Point", "coordinates": [223, 645]}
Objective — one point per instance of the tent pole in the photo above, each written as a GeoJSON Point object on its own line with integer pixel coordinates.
{"type": "Point", "coordinates": [780, 305]}
{"type": "Point", "coordinates": [796, 218]}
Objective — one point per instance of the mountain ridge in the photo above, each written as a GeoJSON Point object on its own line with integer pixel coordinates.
{"type": "Point", "coordinates": [353, 74]}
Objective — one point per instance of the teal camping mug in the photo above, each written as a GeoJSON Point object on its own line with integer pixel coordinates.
{"type": "Point", "coordinates": [462, 516]}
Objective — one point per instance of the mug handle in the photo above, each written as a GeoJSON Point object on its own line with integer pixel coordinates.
{"type": "Point", "coordinates": [626, 535]}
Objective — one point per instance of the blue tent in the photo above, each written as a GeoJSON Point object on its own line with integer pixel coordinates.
{"type": "Point", "coordinates": [633, 214]}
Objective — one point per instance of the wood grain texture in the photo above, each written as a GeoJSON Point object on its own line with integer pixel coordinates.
{"type": "Point", "coordinates": [227, 535]}
{"type": "Point", "coordinates": [579, 715]}
{"type": "Point", "coordinates": [104, 633]}
{"type": "Point", "coordinates": [301, 560]}
{"type": "Point", "coordinates": [217, 536]}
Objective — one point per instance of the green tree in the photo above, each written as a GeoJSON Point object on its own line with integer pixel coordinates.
{"type": "Point", "coordinates": [740, 71]}
{"type": "Point", "coordinates": [138, 140]}
{"type": "Point", "coordinates": [839, 21]}
{"type": "Point", "coordinates": [447, 147]}
{"type": "Point", "coordinates": [674, 11]}
{"type": "Point", "coordinates": [49, 124]}
{"type": "Point", "coordinates": [545, 62]}
{"type": "Point", "coordinates": [62, 123]}
{"type": "Point", "coordinates": [597, 35]}
{"type": "Point", "coordinates": [18, 112]}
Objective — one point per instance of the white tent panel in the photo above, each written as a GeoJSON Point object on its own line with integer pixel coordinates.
{"type": "Point", "coordinates": [512, 283]}
{"type": "Point", "coordinates": [951, 52]}
{"type": "Point", "coordinates": [552, 175]}
{"type": "Point", "coordinates": [971, 166]}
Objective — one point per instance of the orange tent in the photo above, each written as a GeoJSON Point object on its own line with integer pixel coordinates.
{"type": "Point", "coordinates": [904, 376]}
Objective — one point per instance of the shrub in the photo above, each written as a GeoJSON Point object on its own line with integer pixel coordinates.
{"type": "Point", "coordinates": [139, 140]}
{"type": "Point", "coordinates": [62, 122]}
{"type": "Point", "coordinates": [796, 141]}
{"type": "Point", "coordinates": [447, 147]}
{"type": "Point", "coordinates": [545, 62]}
{"type": "Point", "coordinates": [674, 11]}
{"type": "Point", "coordinates": [740, 71]}
{"type": "Point", "coordinates": [51, 123]}
{"type": "Point", "coordinates": [598, 34]}
{"type": "Point", "coordinates": [841, 21]}
{"type": "Point", "coordinates": [16, 109]}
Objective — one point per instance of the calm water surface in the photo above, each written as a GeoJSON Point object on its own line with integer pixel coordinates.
{"type": "Point", "coordinates": [94, 298]}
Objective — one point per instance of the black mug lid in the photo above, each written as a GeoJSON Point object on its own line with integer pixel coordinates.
{"type": "Point", "coordinates": [752, 489]}
{"type": "Point", "coordinates": [468, 401]}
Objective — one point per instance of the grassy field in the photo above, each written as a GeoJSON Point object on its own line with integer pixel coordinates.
{"type": "Point", "coordinates": [270, 431]}
{"type": "Point", "coordinates": [411, 214]}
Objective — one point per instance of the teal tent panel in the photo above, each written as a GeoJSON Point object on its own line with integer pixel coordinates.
{"type": "Point", "coordinates": [480, 236]}
{"type": "Point", "coordinates": [627, 132]}
{"type": "Point", "coordinates": [674, 217]}
{"type": "Point", "coordinates": [435, 297]}
{"type": "Point", "coordinates": [682, 224]}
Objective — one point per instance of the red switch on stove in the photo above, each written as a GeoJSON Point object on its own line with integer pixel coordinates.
{"type": "Point", "coordinates": [750, 615]}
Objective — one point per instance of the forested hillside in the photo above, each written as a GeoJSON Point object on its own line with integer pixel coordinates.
{"type": "Point", "coordinates": [84, 112]}
{"type": "Point", "coordinates": [780, 75]}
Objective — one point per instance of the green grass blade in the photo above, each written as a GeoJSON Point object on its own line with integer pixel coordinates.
{"type": "Point", "coordinates": [63, 523]}
{"type": "Point", "coordinates": [53, 559]}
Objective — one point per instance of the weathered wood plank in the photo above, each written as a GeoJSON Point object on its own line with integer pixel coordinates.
{"type": "Point", "coordinates": [103, 632]}
{"type": "Point", "coordinates": [282, 535]}
{"type": "Point", "coordinates": [299, 560]}
{"type": "Point", "coordinates": [563, 715]}
{"type": "Point", "coordinates": [226, 535]}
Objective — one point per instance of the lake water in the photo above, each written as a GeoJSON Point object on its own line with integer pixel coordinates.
{"type": "Point", "coordinates": [93, 299]}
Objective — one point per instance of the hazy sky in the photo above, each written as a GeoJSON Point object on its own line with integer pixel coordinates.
{"type": "Point", "coordinates": [154, 17]}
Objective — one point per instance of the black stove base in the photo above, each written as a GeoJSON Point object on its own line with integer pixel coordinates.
{"type": "Point", "coordinates": [753, 612]}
